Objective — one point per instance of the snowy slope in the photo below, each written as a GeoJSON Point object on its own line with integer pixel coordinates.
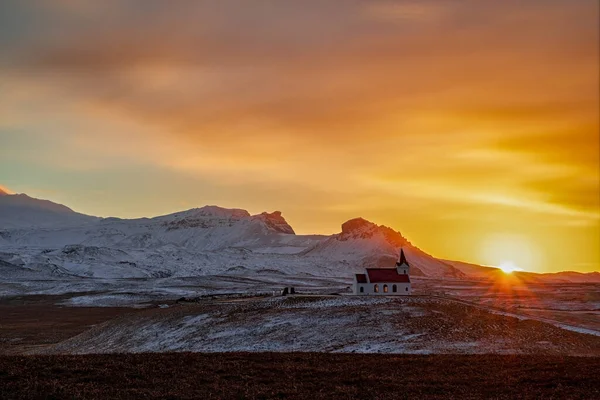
{"type": "Point", "coordinates": [368, 244]}
{"type": "Point", "coordinates": [205, 229]}
{"type": "Point", "coordinates": [209, 240]}
{"type": "Point", "coordinates": [206, 241]}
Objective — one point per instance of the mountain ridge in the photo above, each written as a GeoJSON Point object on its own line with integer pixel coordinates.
{"type": "Point", "coordinates": [23, 211]}
{"type": "Point", "coordinates": [209, 239]}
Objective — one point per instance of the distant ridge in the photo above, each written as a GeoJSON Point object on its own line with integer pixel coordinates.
{"type": "Point", "coordinates": [22, 211]}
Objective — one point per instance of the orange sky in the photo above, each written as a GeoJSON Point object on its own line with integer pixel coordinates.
{"type": "Point", "coordinates": [470, 126]}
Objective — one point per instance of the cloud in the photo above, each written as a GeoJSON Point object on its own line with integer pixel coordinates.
{"type": "Point", "coordinates": [316, 68]}
{"type": "Point", "coordinates": [406, 11]}
{"type": "Point", "coordinates": [484, 103]}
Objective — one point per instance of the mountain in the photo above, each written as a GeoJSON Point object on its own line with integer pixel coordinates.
{"type": "Point", "coordinates": [22, 211]}
{"type": "Point", "coordinates": [206, 241]}
{"type": "Point", "coordinates": [202, 241]}
{"type": "Point", "coordinates": [474, 270]}
{"type": "Point", "coordinates": [377, 245]}
{"type": "Point", "coordinates": [50, 240]}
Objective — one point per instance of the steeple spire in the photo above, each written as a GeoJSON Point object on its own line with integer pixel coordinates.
{"type": "Point", "coordinates": [402, 258]}
{"type": "Point", "coordinates": [402, 266]}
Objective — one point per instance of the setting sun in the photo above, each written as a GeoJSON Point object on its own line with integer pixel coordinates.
{"type": "Point", "coordinates": [509, 267]}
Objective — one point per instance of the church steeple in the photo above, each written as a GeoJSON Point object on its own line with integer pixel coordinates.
{"type": "Point", "coordinates": [401, 259]}
{"type": "Point", "coordinates": [402, 265]}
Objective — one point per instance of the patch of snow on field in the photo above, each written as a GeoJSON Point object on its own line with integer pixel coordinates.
{"type": "Point", "coordinates": [337, 302]}
{"type": "Point", "coordinates": [106, 300]}
{"type": "Point", "coordinates": [507, 314]}
{"type": "Point", "coordinates": [578, 329]}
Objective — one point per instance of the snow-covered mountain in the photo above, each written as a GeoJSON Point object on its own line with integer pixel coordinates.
{"type": "Point", "coordinates": [46, 239]}
{"type": "Point", "coordinates": [22, 211]}
{"type": "Point", "coordinates": [378, 246]}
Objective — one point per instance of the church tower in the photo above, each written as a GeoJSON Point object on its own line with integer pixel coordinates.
{"type": "Point", "coordinates": [402, 265]}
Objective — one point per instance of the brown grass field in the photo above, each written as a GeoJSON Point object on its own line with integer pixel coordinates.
{"type": "Point", "coordinates": [31, 322]}
{"type": "Point", "coordinates": [298, 376]}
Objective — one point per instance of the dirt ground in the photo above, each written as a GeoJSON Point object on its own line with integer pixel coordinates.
{"type": "Point", "coordinates": [31, 322]}
{"type": "Point", "coordinates": [298, 376]}
{"type": "Point", "coordinates": [41, 325]}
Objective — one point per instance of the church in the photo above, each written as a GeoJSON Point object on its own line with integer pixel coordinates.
{"type": "Point", "coordinates": [385, 281]}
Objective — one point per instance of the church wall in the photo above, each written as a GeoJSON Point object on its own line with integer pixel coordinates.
{"type": "Point", "coordinates": [369, 289]}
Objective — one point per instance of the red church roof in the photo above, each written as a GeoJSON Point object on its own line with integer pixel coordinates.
{"type": "Point", "coordinates": [377, 275]}
{"type": "Point", "coordinates": [361, 278]}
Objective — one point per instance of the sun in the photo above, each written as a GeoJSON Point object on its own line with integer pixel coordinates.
{"type": "Point", "coordinates": [508, 267]}
{"type": "Point", "coordinates": [510, 252]}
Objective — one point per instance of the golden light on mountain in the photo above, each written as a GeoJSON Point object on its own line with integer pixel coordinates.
{"type": "Point", "coordinates": [5, 190]}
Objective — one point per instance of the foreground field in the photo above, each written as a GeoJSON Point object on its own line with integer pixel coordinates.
{"type": "Point", "coordinates": [32, 322]}
{"type": "Point", "coordinates": [333, 324]}
{"type": "Point", "coordinates": [575, 304]}
{"type": "Point", "coordinates": [298, 375]}
{"type": "Point", "coordinates": [338, 324]}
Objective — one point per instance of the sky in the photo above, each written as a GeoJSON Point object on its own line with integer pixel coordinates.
{"type": "Point", "coordinates": [471, 126]}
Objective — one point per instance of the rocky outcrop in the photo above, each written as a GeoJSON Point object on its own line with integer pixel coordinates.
{"type": "Point", "coordinates": [275, 222]}
{"type": "Point", "coordinates": [360, 228]}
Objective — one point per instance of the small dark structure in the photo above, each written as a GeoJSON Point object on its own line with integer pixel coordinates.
{"type": "Point", "coordinates": [288, 290]}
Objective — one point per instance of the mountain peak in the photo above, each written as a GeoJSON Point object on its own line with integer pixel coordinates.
{"type": "Point", "coordinates": [216, 211]}
{"type": "Point", "coordinates": [357, 225]}
{"type": "Point", "coordinates": [276, 222]}
{"type": "Point", "coordinates": [4, 191]}
{"type": "Point", "coordinates": [360, 228]}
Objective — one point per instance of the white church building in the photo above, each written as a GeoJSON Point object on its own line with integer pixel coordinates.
{"type": "Point", "coordinates": [385, 281]}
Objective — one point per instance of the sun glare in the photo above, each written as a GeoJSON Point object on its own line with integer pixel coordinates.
{"type": "Point", "coordinates": [510, 252]}
{"type": "Point", "coordinates": [508, 267]}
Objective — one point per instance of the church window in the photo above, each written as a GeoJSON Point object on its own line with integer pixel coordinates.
{"type": "Point", "coordinates": [362, 289]}
{"type": "Point", "coordinates": [376, 288]}
{"type": "Point", "coordinates": [385, 288]}
{"type": "Point", "coordinates": [394, 288]}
